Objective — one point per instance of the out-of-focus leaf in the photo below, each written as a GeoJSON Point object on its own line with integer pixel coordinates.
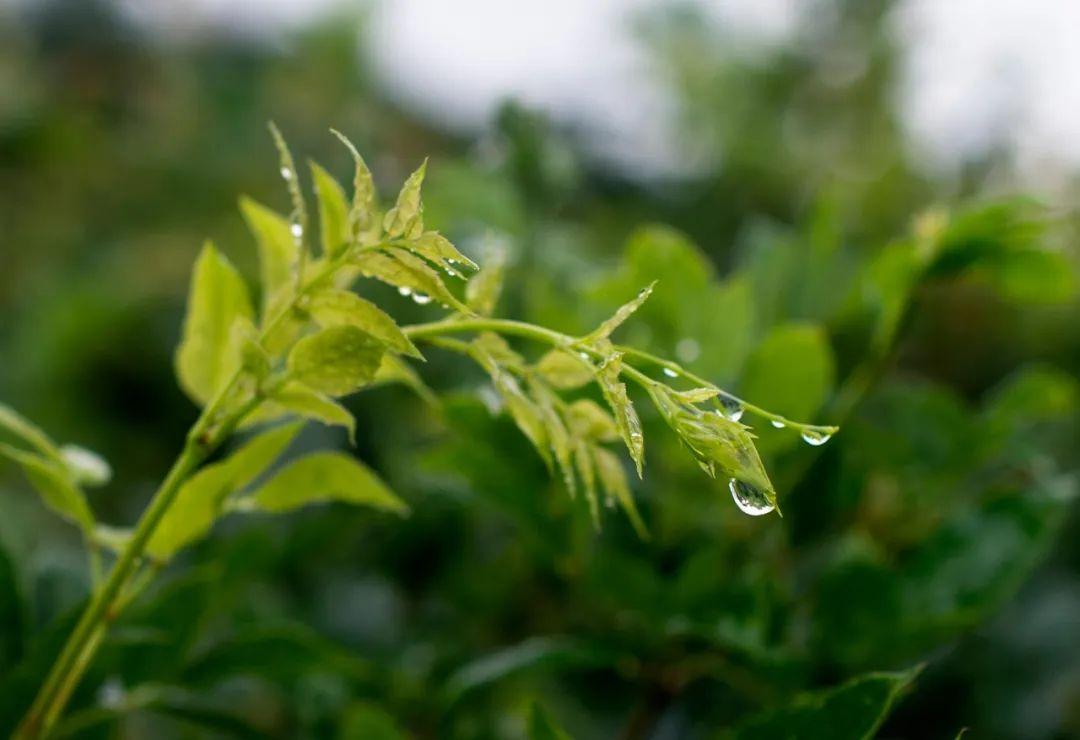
{"type": "Point", "coordinates": [297, 398]}
{"type": "Point", "coordinates": [854, 710]}
{"type": "Point", "coordinates": [337, 360]}
{"type": "Point", "coordinates": [564, 370]}
{"type": "Point", "coordinates": [365, 721]}
{"type": "Point", "coordinates": [406, 218]}
{"type": "Point", "coordinates": [395, 370]}
{"type": "Point", "coordinates": [200, 500]}
{"type": "Point", "coordinates": [12, 615]}
{"type": "Point", "coordinates": [558, 435]}
{"type": "Point", "coordinates": [408, 273]}
{"type": "Point", "coordinates": [333, 212]}
{"type": "Point", "coordinates": [86, 467]}
{"type": "Point", "coordinates": [15, 423]}
{"type": "Point", "coordinates": [626, 418]}
{"type": "Point", "coordinates": [484, 288]}
{"type": "Point", "coordinates": [542, 726]}
{"type": "Point", "coordinates": [55, 485]}
{"type": "Point", "coordinates": [621, 314]}
{"type": "Point", "coordinates": [334, 307]}
{"type": "Point", "coordinates": [617, 488]}
{"type": "Point", "coordinates": [278, 251]}
{"type": "Point", "coordinates": [523, 410]}
{"type": "Point", "coordinates": [588, 420]}
{"type": "Point", "coordinates": [322, 477]}
{"type": "Point", "coordinates": [207, 358]}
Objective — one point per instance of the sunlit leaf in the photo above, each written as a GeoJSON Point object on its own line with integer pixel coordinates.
{"type": "Point", "coordinates": [433, 246]}
{"type": "Point", "coordinates": [408, 273]}
{"type": "Point", "coordinates": [207, 358]}
{"type": "Point", "coordinates": [323, 477]}
{"type": "Point", "coordinates": [334, 307]}
{"type": "Point", "coordinates": [337, 360]}
{"type": "Point", "coordinates": [362, 211]}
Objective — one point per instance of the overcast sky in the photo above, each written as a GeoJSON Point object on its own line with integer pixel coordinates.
{"type": "Point", "coordinates": [977, 71]}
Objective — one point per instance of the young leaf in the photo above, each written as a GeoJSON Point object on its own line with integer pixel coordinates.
{"type": "Point", "coordinates": [296, 398]}
{"type": "Point", "coordinates": [334, 231]}
{"type": "Point", "coordinates": [564, 370]}
{"type": "Point", "coordinates": [15, 423]}
{"type": "Point", "coordinates": [410, 274]}
{"type": "Point", "coordinates": [334, 307]}
{"type": "Point", "coordinates": [406, 218]}
{"type": "Point", "coordinates": [206, 358]}
{"type": "Point", "coordinates": [523, 410]}
{"type": "Point", "coordinates": [586, 469]}
{"type": "Point", "coordinates": [616, 487]}
{"type": "Point", "coordinates": [362, 212]}
{"type": "Point", "coordinates": [278, 251]}
{"type": "Point", "coordinates": [85, 467]}
{"type": "Point", "coordinates": [54, 484]}
{"type": "Point", "coordinates": [434, 247]}
{"type": "Point", "coordinates": [557, 433]}
{"type": "Point", "coordinates": [626, 418]}
{"type": "Point", "coordinates": [200, 500]}
{"type": "Point", "coordinates": [697, 395]}
{"type": "Point", "coordinates": [298, 220]}
{"type": "Point", "coordinates": [395, 370]}
{"type": "Point", "coordinates": [337, 360]}
{"type": "Point", "coordinates": [622, 314]}
{"type": "Point", "coordinates": [542, 727]}
{"type": "Point", "coordinates": [588, 420]}
{"type": "Point", "coordinates": [483, 290]}
{"type": "Point", "coordinates": [324, 476]}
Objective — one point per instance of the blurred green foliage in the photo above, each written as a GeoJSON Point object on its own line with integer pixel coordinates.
{"type": "Point", "coordinates": [814, 268]}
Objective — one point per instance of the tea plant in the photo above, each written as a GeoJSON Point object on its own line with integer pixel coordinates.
{"type": "Point", "coordinates": [313, 340]}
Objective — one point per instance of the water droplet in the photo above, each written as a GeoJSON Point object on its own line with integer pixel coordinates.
{"type": "Point", "coordinates": [451, 273]}
{"type": "Point", "coordinates": [421, 299]}
{"type": "Point", "coordinates": [670, 373]}
{"type": "Point", "coordinates": [405, 291]}
{"type": "Point", "coordinates": [584, 356]}
{"type": "Point", "coordinates": [815, 438]}
{"type": "Point", "coordinates": [777, 423]}
{"type": "Point", "coordinates": [687, 349]}
{"type": "Point", "coordinates": [297, 230]}
{"type": "Point", "coordinates": [749, 499]}
{"type": "Point", "coordinates": [732, 409]}
{"type": "Point", "coordinates": [286, 173]}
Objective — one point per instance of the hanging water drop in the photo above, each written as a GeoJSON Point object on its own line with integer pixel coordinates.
{"type": "Point", "coordinates": [749, 499]}
{"type": "Point", "coordinates": [421, 299]}
{"type": "Point", "coordinates": [670, 373]}
{"type": "Point", "coordinates": [777, 423]}
{"type": "Point", "coordinates": [405, 291]}
{"type": "Point", "coordinates": [815, 438]}
{"type": "Point", "coordinates": [296, 230]}
{"type": "Point", "coordinates": [732, 409]}
{"type": "Point", "coordinates": [286, 173]}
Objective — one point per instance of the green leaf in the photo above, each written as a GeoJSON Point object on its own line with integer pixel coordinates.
{"type": "Point", "coordinates": [409, 273]}
{"type": "Point", "coordinates": [557, 433]}
{"type": "Point", "coordinates": [433, 246]}
{"type": "Point", "coordinates": [362, 211]}
{"type": "Point", "coordinates": [621, 314]}
{"type": "Point", "coordinates": [85, 467]}
{"type": "Point", "coordinates": [200, 501]}
{"type": "Point", "coordinates": [334, 230]}
{"type": "Point", "coordinates": [207, 357]}
{"type": "Point", "coordinates": [322, 477]}
{"type": "Point", "coordinates": [406, 218]}
{"type": "Point", "coordinates": [337, 360]}
{"type": "Point", "coordinates": [298, 220]}
{"type": "Point", "coordinates": [626, 418]}
{"type": "Point", "coordinates": [542, 726]}
{"type": "Point", "coordinates": [278, 252]}
{"type": "Point", "coordinates": [564, 370]}
{"type": "Point", "coordinates": [334, 307]}
{"type": "Point", "coordinates": [586, 469]}
{"type": "Point", "coordinates": [53, 481]}
{"type": "Point", "coordinates": [617, 488]}
{"type": "Point", "coordinates": [296, 398]}
{"type": "Point", "coordinates": [588, 420]}
{"type": "Point", "coordinates": [525, 413]}
{"type": "Point", "coordinates": [13, 615]}
{"type": "Point", "coordinates": [483, 290]}
{"type": "Point", "coordinates": [854, 710]}
{"type": "Point", "coordinates": [365, 721]}
{"type": "Point", "coordinates": [395, 370]}
{"type": "Point", "coordinates": [15, 423]}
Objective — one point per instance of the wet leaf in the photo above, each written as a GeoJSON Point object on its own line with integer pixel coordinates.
{"type": "Point", "coordinates": [334, 231]}
{"type": "Point", "coordinates": [334, 307]}
{"type": "Point", "coordinates": [337, 361]}
{"type": "Point", "coordinates": [406, 218]}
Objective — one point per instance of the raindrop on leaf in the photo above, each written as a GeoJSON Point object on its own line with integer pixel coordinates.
{"type": "Point", "coordinates": [815, 438]}
{"type": "Point", "coordinates": [405, 290]}
{"type": "Point", "coordinates": [777, 423]}
{"type": "Point", "coordinates": [749, 499]}
{"type": "Point", "coordinates": [732, 409]}
{"type": "Point", "coordinates": [296, 230]}
{"type": "Point", "coordinates": [421, 299]}
{"type": "Point", "coordinates": [670, 373]}
{"type": "Point", "coordinates": [286, 173]}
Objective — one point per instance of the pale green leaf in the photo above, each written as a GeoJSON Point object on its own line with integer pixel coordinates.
{"type": "Point", "coordinates": [433, 246]}
{"type": "Point", "coordinates": [362, 211]}
{"type": "Point", "coordinates": [334, 307]}
{"type": "Point", "coordinates": [483, 290]}
{"type": "Point", "coordinates": [523, 411]}
{"type": "Point", "coordinates": [557, 433]}
{"type": "Point", "coordinates": [207, 358]}
{"type": "Point", "coordinates": [334, 231]}
{"type": "Point", "coordinates": [337, 360]}
{"type": "Point", "coordinates": [617, 488]}
{"type": "Point", "coordinates": [298, 219]}
{"type": "Point", "coordinates": [697, 395]}
{"type": "Point", "coordinates": [322, 477]}
{"type": "Point", "coordinates": [395, 370]}
{"type": "Point", "coordinates": [588, 420]}
{"type": "Point", "coordinates": [406, 218]}
{"type": "Point", "coordinates": [55, 485]}
{"type": "Point", "coordinates": [586, 468]}
{"type": "Point", "coordinates": [564, 370]}
{"type": "Point", "coordinates": [15, 423]}
{"type": "Point", "coordinates": [296, 398]}
{"type": "Point", "coordinates": [499, 350]}
{"type": "Point", "coordinates": [626, 418]}
{"type": "Point", "coordinates": [624, 312]}
{"type": "Point", "coordinates": [408, 272]}
{"type": "Point", "coordinates": [85, 467]}
{"type": "Point", "coordinates": [278, 252]}
{"type": "Point", "coordinates": [201, 499]}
